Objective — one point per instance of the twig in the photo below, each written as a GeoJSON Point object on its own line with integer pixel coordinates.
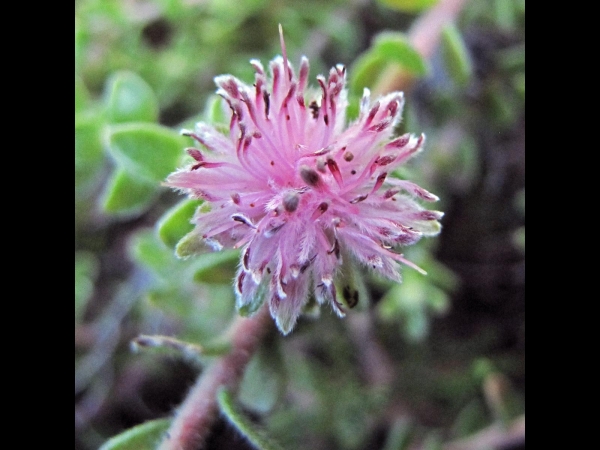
{"type": "Point", "coordinates": [424, 36]}
{"type": "Point", "coordinates": [495, 437]}
{"type": "Point", "coordinates": [193, 421]}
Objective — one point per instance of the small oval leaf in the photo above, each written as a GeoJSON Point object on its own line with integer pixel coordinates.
{"type": "Point", "coordinates": [141, 437]}
{"type": "Point", "coordinates": [126, 195]}
{"type": "Point", "coordinates": [146, 150]}
{"type": "Point", "coordinates": [249, 430]}
{"type": "Point", "coordinates": [456, 56]}
{"type": "Point", "coordinates": [365, 71]}
{"type": "Point", "coordinates": [130, 99]}
{"type": "Point", "coordinates": [395, 47]}
{"type": "Point", "coordinates": [175, 223]}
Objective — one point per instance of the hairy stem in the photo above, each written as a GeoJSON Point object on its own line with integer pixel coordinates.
{"type": "Point", "coordinates": [196, 415]}
{"type": "Point", "coordinates": [424, 36]}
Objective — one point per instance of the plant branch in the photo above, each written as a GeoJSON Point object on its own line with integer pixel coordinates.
{"type": "Point", "coordinates": [193, 421]}
{"type": "Point", "coordinates": [495, 436]}
{"type": "Point", "coordinates": [424, 36]}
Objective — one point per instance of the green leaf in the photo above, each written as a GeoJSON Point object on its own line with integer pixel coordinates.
{"type": "Point", "coordinates": [146, 150]}
{"type": "Point", "coordinates": [89, 155]}
{"type": "Point", "coordinates": [399, 435]}
{"type": "Point", "coordinates": [141, 437]}
{"type": "Point", "coordinates": [86, 269]}
{"type": "Point", "coordinates": [262, 384]}
{"type": "Point", "coordinates": [189, 245]}
{"type": "Point", "coordinates": [88, 145]}
{"type": "Point", "coordinates": [504, 12]}
{"type": "Point", "coordinates": [249, 430]}
{"type": "Point", "coordinates": [519, 85]}
{"type": "Point", "coordinates": [395, 46]}
{"type": "Point", "coordinates": [130, 99]}
{"type": "Point", "coordinates": [175, 223]}
{"type": "Point", "coordinates": [456, 56]}
{"type": "Point", "coordinates": [410, 6]}
{"type": "Point", "coordinates": [215, 267]}
{"type": "Point", "coordinates": [388, 49]}
{"type": "Point", "coordinates": [126, 195]}
{"type": "Point", "coordinates": [81, 95]}
{"type": "Point", "coordinates": [365, 71]}
{"type": "Point", "coordinates": [148, 250]}
{"type": "Point", "coordinates": [80, 41]}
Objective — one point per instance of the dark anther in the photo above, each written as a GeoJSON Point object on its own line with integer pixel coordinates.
{"type": "Point", "coordinates": [246, 258]}
{"type": "Point", "coordinates": [309, 176]}
{"type": "Point", "coordinates": [290, 201]}
{"type": "Point", "coordinates": [314, 108]}
{"type": "Point", "coordinates": [267, 100]}
{"type": "Point", "coordinates": [240, 281]}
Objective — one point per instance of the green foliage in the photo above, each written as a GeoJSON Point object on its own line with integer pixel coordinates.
{"type": "Point", "coordinates": [249, 430]}
{"type": "Point", "coordinates": [456, 55]}
{"type": "Point", "coordinates": [417, 297]}
{"type": "Point", "coordinates": [176, 222]}
{"type": "Point", "coordinates": [389, 49]}
{"type": "Point", "coordinates": [141, 437]}
{"type": "Point", "coordinates": [86, 270]}
{"type": "Point", "coordinates": [366, 70]}
{"type": "Point", "coordinates": [146, 151]}
{"type": "Point", "coordinates": [409, 5]}
{"type": "Point", "coordinates": [399, 435]}
{"type": "Point", "coordinates": [127, 195]}
{"type": "Point", "coordinates": [138, 63]}
{"type": "Point", "coordinates": [263, 385]}
{"type": "Point", "coordinates": [130, 99]}
{"type": "Point", "coordinates": [395, 47]}
{"type": "Point", "coordinates": [196, 291]}
{"type": "Point", "coordinates": [88, 151]}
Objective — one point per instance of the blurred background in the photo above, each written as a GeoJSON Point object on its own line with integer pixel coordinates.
{"type": "Point", "coordinates": [436, 362]}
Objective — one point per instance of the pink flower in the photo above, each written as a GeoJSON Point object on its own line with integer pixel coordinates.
{"type": "Point", "coordinates": [298, 191]}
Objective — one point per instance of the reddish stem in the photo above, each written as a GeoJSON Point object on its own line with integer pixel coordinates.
{"type": "Point", "coordinates": [192, 423]}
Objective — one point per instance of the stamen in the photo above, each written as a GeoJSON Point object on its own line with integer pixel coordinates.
{"type": "Point", "coordinates": [319, 211]}
{"type": "Point", "coordinates": [195, 153]}
{"type": "Point", "coordinates": [335, 249]}
{"type": "Point", "coordinates": [314, 107]}
{"type": "Point", "coordinates": [290, 201]}
{"type": "Point", "coordinates": [303, 75]}
{"type": "Point", "coordinates": [372, 113]}
{"type": "Point", "coordinates": [240, 281]}
{"type": "Point", "coordinates": [309, 176]}
{"type": "Point", "coordinates": [359, 199]}
{"type": "Point", "coordinates": [379, 182]}
{"type": "Point", "coordinates": [430, 215]}
{"type": "Point", "coordinates": [399, 142]}
{"type": "Point", "coordinates": [335, 171]}
{"type": "Point", "coordinates": [380, 126]}
{"type": "Point", "coordinates": [267, 99]}
{"type": "Point", "coordinates": [243, 219]}
{"type": "Point", "coordinates": [246, 258]}
{"type": "Point", "coordinates": [307, 264]}
{"type": "Point", "coordinates": [385, 160]}
{"type": "Point", "coordinates": [207, 165]}
{"type": "Point", "coordinates": [390, 193]}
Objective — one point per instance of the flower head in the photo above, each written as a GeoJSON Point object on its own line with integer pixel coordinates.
{"type": "Point", "coordinates": [297, 191]}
